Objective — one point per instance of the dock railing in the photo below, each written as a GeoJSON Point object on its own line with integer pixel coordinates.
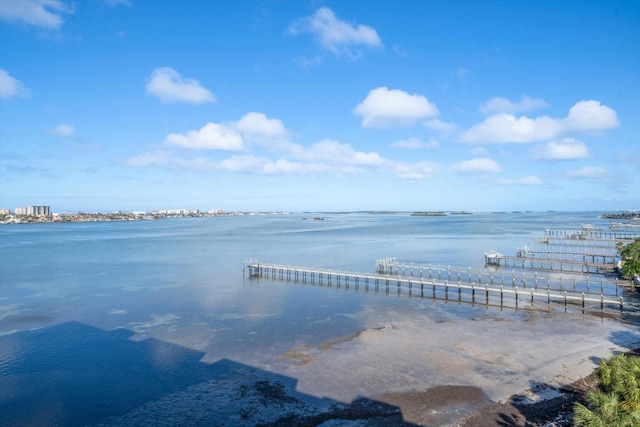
{"type": "Point", "coordinates": [431, 288]}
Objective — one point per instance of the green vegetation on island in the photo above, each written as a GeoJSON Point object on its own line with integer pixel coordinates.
{"type": "Point", "coordinates": [616, 403]}
{"type": "Point", "coordinates": [630, 215]}
{"type": "Point", "coordinates": [630, 254]}
{"type": "Point", "coordinates": [430, 213]}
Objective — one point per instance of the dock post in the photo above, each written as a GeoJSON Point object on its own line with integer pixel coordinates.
{"type": "Point", "coordinates": [446, 291]}
{"type": "Point", "coordinates": [548, 296]}
{"type": "Point", "coordinates": [565, 298]}
{"type": "Point", "coordinates": [620, 302]}
{"type": "Point", "coordinates": [459, 292]}
{"type": "Point", "coordinates": [473, 293]}
{"type": "Point", "coordinates": [486, 289]}
{"type": "Point", "coordinates": [501, 295]}
{"type": "Point", "coordinates": [516, 297]}
{"type": "Point", "coordinates": [531, 296]}
{"type": "Point", "coordinates": [601, 301]}
{"type": "Point", "coordinates": [583, 300]}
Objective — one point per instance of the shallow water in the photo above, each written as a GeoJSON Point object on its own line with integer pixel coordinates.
{"type": "Point", "coordinates": [103, 317]}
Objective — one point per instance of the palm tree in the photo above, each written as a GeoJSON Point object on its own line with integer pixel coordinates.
{"type": "Point", "coordinates": [617, 402]}
{"type": "Point", "coordinates": [630, 255]}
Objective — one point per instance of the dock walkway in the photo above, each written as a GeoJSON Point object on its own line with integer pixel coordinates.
{"type": "Point", "coordinates": [461, 292]}
{"type": "Point", "coordinates": [549, 264]}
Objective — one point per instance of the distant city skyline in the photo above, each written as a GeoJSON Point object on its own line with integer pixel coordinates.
{"type": "Point", "coordinates": [137, 105]}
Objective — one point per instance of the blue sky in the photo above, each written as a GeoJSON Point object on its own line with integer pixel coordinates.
{"type": "Point", "coordinates": [309, 105]}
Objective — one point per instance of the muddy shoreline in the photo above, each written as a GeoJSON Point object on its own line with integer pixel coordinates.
{"type": "Point", "coordinates": [421, 409]}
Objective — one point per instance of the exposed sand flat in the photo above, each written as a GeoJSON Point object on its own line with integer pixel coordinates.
{"type": "Point", "coordinates": [497, 356]}
{"type": "Point", "coordinates": [416, 371]}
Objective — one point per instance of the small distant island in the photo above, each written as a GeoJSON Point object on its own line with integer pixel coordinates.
{"type": "Point", "coordinates": [631, 215]}
{"type": "Point", "coordinates": [429, 213]}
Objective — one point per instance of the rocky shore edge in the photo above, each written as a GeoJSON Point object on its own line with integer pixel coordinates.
{"type": "Point", "coordinates": [555, 412]}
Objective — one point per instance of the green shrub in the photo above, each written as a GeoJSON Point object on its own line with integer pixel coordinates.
{"type": "Point", "coordinates": [630, 255]}
{"type": "Point", "coordinates": [617, 401]}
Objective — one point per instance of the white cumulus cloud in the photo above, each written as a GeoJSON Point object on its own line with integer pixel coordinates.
{"type": "Point", "coordinates": [253, 127]}
{"type": "Point", "coordinates": [595, 172]}
{"type": "Point", "coordinates": [384, 108]}
{"type": "Point", "coordinates": [504, 128]}
{"type": "Point", "coordinates": [336, 152]}
{"type": "Point", "coordinates": [168, 85]}
{"type": "Point", "coordinates": [415, 143]}
{"type": "Point", "coordinates": [525, 180]}
{"type": "Point", "coordinates": [151, 158]}
{"type": "Point", "coordinates": [262, 165]}
{"type": "Point", "coordinates": [413, 171]}
{"type": "Point", "coordinates": [504, 105]}
{"type": "Point", "coordinates": [39, 13]}
{"type": "Point", "coordinates": [11, 87]}
{"type": "Point", "coordinates": [334, 34]}
{"type": "Point", "coordinates": [258, 127]}
{"type": "Point", "coordinates": [63, 130]}
{"type": "Point", "coordinates": [475, 166]}
{"type": "Point", "coordinates": [211, 136]}
{"type": "Point", "coordinates": [439, 125]}
{"type": "Point", "coordinates": [587, 116]}
{"type": "Point", "coordinates": [565, 149]}
{"type": "Point", "coordinates": [584, 117]}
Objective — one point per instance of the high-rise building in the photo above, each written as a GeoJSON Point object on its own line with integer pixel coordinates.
{"type": "Point", "coordinates": [39, 210]}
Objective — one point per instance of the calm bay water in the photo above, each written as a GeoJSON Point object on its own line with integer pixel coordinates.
{"type": "Point", "coordinates": [74, 297]}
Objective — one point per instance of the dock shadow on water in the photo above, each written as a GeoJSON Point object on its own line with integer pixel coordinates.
{"type": "Point", "coordinates": [74, 374]}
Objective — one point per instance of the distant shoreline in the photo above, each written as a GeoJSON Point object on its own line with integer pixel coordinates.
{"type": "Point", "coordinates": [119, 217]}
{"type": "Point", "coordinates": [632, 216]}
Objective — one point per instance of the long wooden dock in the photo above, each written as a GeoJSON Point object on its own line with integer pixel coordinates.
{"type": "Point", "coordinates": [549, 264]}
{"type": "Point", "coordinates": [605, 258]}
{"type": "Point", "coordinates": [461, 292]}
{"type": "Point", "coordinates": [588, 232]}
{"type": "Point", "coordinates": [559, 281]}
{"type": "Point", "coordinates": [581, 242]}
